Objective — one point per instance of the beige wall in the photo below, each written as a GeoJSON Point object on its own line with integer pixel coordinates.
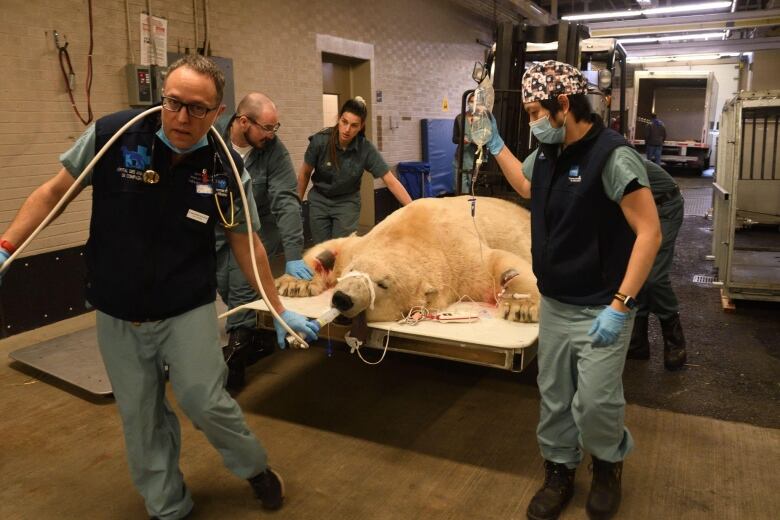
{"type": "Point", "coordinates": [423, 52]}
{"type": "Point", "coordinates": [765, 70]}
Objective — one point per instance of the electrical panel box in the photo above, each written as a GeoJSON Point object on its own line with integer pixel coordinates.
{"type": "Point", "coordinates": [144, 84]}
{"type": "Point", "coordinates": [140, 90]}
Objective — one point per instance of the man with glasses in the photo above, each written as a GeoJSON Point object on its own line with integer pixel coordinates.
{"type": "Point", "coordinates": [151, 275]}
{"type": "Point", "coordinates": [252, 133]}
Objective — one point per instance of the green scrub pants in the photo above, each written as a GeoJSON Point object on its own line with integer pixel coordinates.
{"type": "Point", "coordinates": [657, 295]}
{"type": "Point", "coordinates": [333, 217]}
{"type": "Point", "coordinates": [581, 386]}
{"type": "Point", "coordinates": [134, 355]}
{"type": "Point", "coordinates": [233, 287]}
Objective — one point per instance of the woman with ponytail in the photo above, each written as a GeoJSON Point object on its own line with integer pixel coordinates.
{"type": "Point", "coordinates": [337, 156]}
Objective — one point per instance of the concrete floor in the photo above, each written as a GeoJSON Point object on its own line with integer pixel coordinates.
{"type": "Point", "coordinates": [423, 438]}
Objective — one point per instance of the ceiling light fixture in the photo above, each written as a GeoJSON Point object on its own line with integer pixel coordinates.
{"type": "Point", "coordinates": [650, 12]}
{"type": "Point", "coordinates": [681, 57]}
{"type": "Point", "coordinates": [674, 38]}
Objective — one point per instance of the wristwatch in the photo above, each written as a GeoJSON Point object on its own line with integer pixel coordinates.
{"type": "Point", "coordinates": [628, 301]}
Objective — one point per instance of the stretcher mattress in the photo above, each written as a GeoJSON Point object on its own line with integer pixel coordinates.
{"type": "Point", "coordinates": [489, 341]}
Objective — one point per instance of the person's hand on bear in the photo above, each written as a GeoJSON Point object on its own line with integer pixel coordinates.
{"type": "Point", "coordinates": [298, 269]}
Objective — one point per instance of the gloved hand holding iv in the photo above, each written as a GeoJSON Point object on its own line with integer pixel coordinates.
{"type": "Point", "coordinates": [495, 144]}
{"type": "Point", "coordinates": [606, 327]}
{"type": "Point", "coordinates": [300, 324]}
{"type": "Point", "coordinates": [298, 269]}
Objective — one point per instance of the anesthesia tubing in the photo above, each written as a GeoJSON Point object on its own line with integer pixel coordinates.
{"type": "Point", "coordinates": [245, 204]}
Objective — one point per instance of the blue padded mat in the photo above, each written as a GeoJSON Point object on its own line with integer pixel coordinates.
{"type": "Point", "coordinates": [438, 151]}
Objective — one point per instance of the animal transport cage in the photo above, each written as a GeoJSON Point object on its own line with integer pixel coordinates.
{"type": "Point", "coordinates": [746, 198]}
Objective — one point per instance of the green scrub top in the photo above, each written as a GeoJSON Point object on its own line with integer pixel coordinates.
{"type": "Point", "coordinates": [660, 180]}
{"type": "Point", "coordinates": [275, 189]}
{"type": "Point", "coordinates": [344, 178]}
{"type": "Point", "coordinates": [83, 151]}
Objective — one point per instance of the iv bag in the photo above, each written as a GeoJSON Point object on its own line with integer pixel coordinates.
{"type": "Point", "coordinates": [481, 130]}
{"type": "Point", "coordinates": [484, 95]}
{"type": "Point", "coordinates": [482, 105]}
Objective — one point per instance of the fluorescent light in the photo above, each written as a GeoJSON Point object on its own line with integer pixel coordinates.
{"type": "Point", "coordinates": [687, 8]}
{"type": "Point", "coordinates": [602, 16]}
{"type": "Point", "coordinates": [651, 12]}
{"type": "Point", "coordinates": [681, 57]}
{"type": "Point", "coordinates": [674, 38]}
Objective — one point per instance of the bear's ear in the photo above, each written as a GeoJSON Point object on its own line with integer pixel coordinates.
{"type": "Point", "coordinates": [326, 260]}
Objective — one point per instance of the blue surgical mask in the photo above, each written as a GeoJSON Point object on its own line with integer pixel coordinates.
{"type": "Point", "coordinates": [164, 138]}
{"type": "Point", "coordinates": [546, 133]}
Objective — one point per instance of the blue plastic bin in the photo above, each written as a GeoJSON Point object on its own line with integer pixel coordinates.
{"type": "Point", "coordinates": [416, 178]}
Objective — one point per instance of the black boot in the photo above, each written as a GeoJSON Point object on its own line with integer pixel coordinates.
{"type": "Point", "coordinates": [556, 492]}
{"type": "Point", "coordinates": [674, 343]}
{"type": "Point", "coordinates": [604, 497]}
{"type": "Point", "coordinates": [260, 348]}
{"type": "Point", "coordinates": [639, 348]}
{"type": "Point", "coordinates": [236, 354]}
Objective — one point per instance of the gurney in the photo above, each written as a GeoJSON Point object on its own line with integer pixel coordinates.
{"type": "Point", "coordinates": [488, 341]}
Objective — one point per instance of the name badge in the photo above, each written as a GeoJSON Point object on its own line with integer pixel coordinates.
{"type": "Point", "coordinates": [204, 189]}
{"type": "Point", "coordinates": [197, 216]}
{"type": "Point", "coordinates": [574, 174]}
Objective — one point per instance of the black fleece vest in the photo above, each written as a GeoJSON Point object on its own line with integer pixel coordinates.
{"type": "Point", "coordinates": [150, 253]}
{"type": "Point", "coordinates": [581, 240]}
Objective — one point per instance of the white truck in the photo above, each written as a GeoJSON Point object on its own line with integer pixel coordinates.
{"type": "Point", "coordinates": [685, 103]}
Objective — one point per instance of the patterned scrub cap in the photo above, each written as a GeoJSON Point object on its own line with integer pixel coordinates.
{"type": "Point", "coordinates": [549, 79]}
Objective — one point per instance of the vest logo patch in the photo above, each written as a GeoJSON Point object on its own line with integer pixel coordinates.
{"type": "Point", "coordinates": [574, 174]}
{"type": "Point", "coordinates": [541, 156]}
{"type": "Point", "coordinates": [136, 160]}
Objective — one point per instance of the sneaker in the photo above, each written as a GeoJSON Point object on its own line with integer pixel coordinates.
{"type": "Point", "coordinates": [556, 492]}
{"type": "Point", "coordinates": [269, 489]}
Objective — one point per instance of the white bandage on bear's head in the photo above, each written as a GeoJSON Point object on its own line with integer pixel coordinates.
{"type": "Point", "coordinates": [367, 279]}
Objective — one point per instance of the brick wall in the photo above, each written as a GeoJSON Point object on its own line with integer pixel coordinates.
{"type": "Point", "coordinates": [423, 52]}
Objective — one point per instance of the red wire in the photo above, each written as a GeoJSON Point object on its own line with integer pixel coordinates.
{"type": "Point", "coordinates": [63, 52]}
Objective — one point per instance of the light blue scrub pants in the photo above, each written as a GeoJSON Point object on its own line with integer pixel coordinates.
{"type": "Point", "coordinates": [581, 386]}
{"type": "Point", "coordinates": [134, 355]}
{"type": "Point", "coordinates": [333, 217]}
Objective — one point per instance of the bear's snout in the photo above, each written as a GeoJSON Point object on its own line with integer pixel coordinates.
{"type": "Point", "coordinates": [342, 301]}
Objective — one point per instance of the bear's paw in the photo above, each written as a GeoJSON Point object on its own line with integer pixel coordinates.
{"type": "Point", "coordinates": [519, 307]}
{"type": "Point", "coordinates": [296, 288]}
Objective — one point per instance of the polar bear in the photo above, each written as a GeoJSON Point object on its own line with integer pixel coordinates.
{"type": "Point", "coordinates": [430, 253]}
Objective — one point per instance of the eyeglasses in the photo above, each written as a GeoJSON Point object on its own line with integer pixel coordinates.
{"type": "Point", "coordinates": [271, 129]}
{"type": "Point", "coordinates": [174, 105]}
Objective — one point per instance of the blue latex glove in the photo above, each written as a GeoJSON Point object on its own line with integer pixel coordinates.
{"type": "Point", "coordinates": [496, 144]}
{"type": "Point", "coordinates": [606, 327]}
{"type": "Point", "coordinates": [300, 324]}
{"type": "Point", "coordinates": [298, 269]}
{"type": "Point", "coordinates": [3, 257]}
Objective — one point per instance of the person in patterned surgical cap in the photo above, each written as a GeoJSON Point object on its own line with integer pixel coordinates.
{"type": "Point", "coordinates": [595, 233]}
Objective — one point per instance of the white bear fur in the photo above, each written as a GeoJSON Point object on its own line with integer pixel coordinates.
{"type": "Point", "coordinates": [430, 254]}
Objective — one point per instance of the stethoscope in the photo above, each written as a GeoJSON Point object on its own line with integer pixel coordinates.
{"type": "Point", "coordinates": [219, 186]}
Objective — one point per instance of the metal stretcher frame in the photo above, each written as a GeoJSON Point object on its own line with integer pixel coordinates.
{"type": "Point", "coordinates": [490, 341]}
